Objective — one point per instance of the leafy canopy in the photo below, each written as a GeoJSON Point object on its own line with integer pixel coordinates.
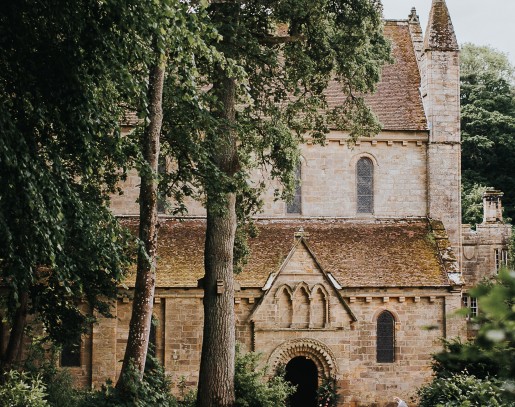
{"type": "Point", "coordinates": [67, 73]}
{"type": "Point", "coordinates": [283, 55]}
{"type": "Point", "coordinates": [488, 125]}
{"type": "Point", "coordinates": [490, 355]}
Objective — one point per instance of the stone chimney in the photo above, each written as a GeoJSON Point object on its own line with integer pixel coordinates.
{"type": "Point", "coordinates": [492, 206]}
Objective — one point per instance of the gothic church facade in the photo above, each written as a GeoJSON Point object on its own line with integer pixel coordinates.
{"type": "Point", "coordinates": [359, 277]}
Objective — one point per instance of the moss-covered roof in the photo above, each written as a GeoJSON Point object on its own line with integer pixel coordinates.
{"type": "Point", "coordinates": [396, 102]}
{"type": "Point", "coordinates": [401, 253]}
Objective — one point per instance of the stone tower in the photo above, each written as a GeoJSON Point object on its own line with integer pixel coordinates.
{"type": "Point", "coordinates": [440, 89]}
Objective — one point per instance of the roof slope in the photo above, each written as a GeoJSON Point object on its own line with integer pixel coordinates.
{"type": "Point", "coordinates": [396, 102]}
{"type": "Point", "coordinates": [358, 254]}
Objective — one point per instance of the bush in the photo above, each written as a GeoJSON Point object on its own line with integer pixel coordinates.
{"type": "Point", "coordinates": [462, 390]}
{"type": "Point", "coordinates": [153, 390]}
{"type": "Point", "coordinates": [42, 360]}
{"type": "Point", "coordinates": [251, 387]}
{"type": "Point", "coordinates": [327, 393]}
{"type": "Point", "coordinates": [457, 357]}
{"type": "Point", "coordinates": [20, 390]}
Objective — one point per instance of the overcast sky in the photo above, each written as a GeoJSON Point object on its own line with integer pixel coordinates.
{"type": "Point", "coordinates": [482, 22]}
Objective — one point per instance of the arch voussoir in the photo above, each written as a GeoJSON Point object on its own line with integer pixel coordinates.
{"type": "Point", "coordinates": [315, 350]}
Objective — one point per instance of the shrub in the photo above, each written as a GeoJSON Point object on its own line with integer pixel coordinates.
{"type": "Point", "coordinates": [153, 390]}
{"type": "Point", "coordinates": [327, 393]}
{"type": "Point", "coordinates": [253, 389]}
{"type": "Point", "coordinates": [461, 390]}
{"type": "Point", "coordinates": [457, 356]}
{"type": "Point", "coordinates": [20, 390]}
{"type": "Point", "coordinates": [41, 361]}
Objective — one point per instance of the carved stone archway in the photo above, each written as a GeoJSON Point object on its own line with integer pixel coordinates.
{"type": "Point", "coordinates": [315, 350]}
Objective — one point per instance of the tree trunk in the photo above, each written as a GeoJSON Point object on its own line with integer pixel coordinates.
{"type": "Point", "coordinates": [14, 346]}
{"type": "Point", "coordinates": [216, 377]}
{"type": "Point", "coordinates": [139, 328]}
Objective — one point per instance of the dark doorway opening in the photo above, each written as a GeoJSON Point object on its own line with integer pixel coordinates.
{"type": "Point", "coordinates": [303, 373]}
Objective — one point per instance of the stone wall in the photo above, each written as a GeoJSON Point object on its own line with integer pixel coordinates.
{"type": "Point", "coordinates": [329, 179]}
{"type": "Point", "coordinates": [441, 96]}
{"type": "Point", "coordinates": [420, 322]}
{"type": "Point", "coordinates": [479, 250]}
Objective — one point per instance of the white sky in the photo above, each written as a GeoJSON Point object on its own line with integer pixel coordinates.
{"type": "Point", "coordinates": [481, 22]}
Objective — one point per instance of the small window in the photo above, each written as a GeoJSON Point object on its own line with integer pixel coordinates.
{"type": "Point", "coordinates": [295, 205]}
{"type": "Point", "coordinates": [365, 185]}
{"type": "Point", "coordinates": [470, 303]}
{"type": "Point", "coordinates": [70, 355]}
{"type": "Point", "coordinates": [501, 259]}
{"type": "Point", "coordinates": [385, 338]}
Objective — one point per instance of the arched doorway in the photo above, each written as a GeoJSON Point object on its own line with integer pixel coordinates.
{"type": "Point", "coordinates": [302, 372]}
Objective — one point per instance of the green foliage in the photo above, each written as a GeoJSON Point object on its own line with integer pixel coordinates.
{"type": "Point", "coordinates": [327, 393]}
{"type": "Point", "coordinates": [41, 362]}
{"type": "Point", "coordinates": [253, 389]}
{"type": "Point", "coordinates": [472, 203]}
{"type": "Point", "coordinates": [152, 390]}
{"type": "Point", "coordinates": [488, 124]}
{"type": "Point", "coordinates": [60, 388]}
{"type": "Point", "coordinates": [497, 319]}
{"type": "Point", "coordinates": [458, 356]}
{"type": "Point", "coordinates": [511, 250]}
{"type": "Point", "coordinates": [20, 390]}
{"type": "Point", "coordinates": [64, 78]}
{"type": "Point", "coordinates": [489, 357]}
{"type": "Point", "coordinates": [281, 82]}
{"type": "Point", "coordinates": [485, 60]}
{"type": "Point", "coordinates": [282, 55]}
{"type": "Point", "coordinates": [187, 398]}
{"type": "Point", "coordinates": [461, 390]}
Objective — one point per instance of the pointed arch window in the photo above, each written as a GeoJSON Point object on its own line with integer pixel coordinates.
{"type": "Point", "coordinates": [365, 185]}
{"type": "Point", "coordinates": [385, 346]}
{"type": "Point", "coordinates": [295, 205]}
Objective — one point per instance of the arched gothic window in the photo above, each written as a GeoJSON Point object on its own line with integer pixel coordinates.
{"type": "Point", "coordinates": [295, 205]}
{"type": "Point", "coordinates": [385, 345]}
{"type": "Point", "coordinates": [365, 185]}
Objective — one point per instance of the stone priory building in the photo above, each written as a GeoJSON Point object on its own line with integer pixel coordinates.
{"type": "Point", "coordinates": [359, 277]}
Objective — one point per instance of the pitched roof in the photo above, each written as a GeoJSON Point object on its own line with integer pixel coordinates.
{"type": "Point", "coordinates": [440, 34]}
{"type": "Point", "coordinates": [402, 253]}
{"type": "Point", "coordinates": [396, 102]}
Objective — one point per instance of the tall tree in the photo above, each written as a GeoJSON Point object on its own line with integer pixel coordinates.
{"type": "Point", "coordinates": [284, 54]}
{"type": "Point", "coordinates": [64, 73]}
{"type": "Point", "coordinates": [178, 32]}
{"type": "Point", "coordinates": [139, 327]}
{"type": "Point", "coordinates": [488, 124]}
